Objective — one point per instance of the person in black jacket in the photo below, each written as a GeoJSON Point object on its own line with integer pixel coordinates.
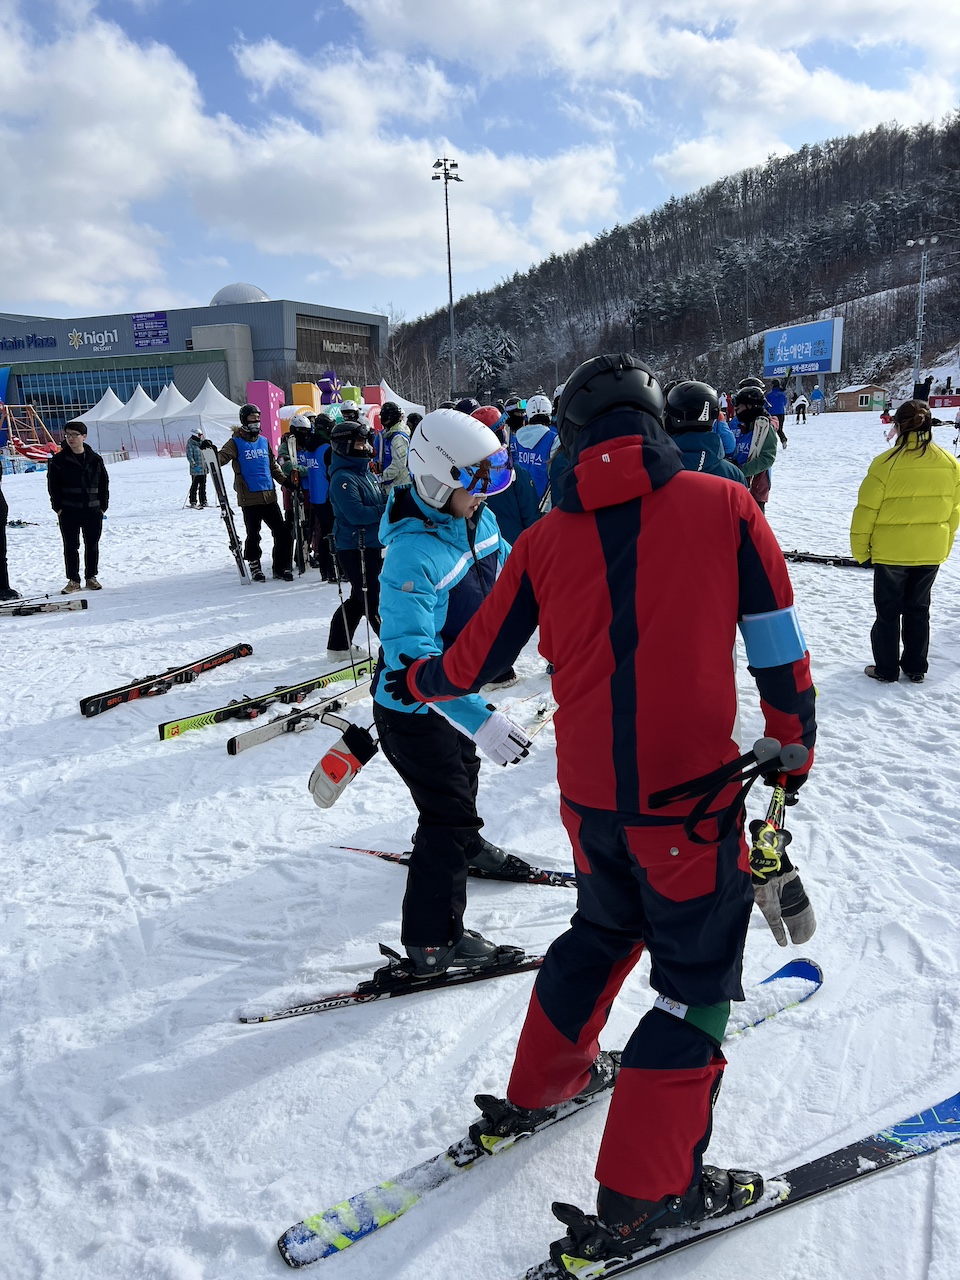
{"type": "Point", "coordinates": [80, 494]}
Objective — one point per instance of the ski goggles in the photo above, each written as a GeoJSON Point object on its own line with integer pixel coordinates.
{"type": "Point", "coordinates": [489, 475]}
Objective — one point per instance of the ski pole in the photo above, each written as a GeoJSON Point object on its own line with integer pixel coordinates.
{"type": "Point", "coordinates": [363, 588]}
{"type": "Point", "coordinates": [343, 608]}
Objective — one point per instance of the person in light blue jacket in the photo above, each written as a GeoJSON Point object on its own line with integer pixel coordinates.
{"type": "Point", "coordinates": [443, 553]}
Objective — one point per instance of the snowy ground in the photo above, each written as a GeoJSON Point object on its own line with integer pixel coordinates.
{"type": "Point", "coordinates": [149, 892]}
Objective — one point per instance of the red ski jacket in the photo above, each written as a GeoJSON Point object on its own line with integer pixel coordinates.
{"type": "Point", "coordinates": [637, 579]}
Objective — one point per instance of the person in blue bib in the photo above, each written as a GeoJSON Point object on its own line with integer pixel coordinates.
{"type": "Point", "coordinates": [254, 471]}
{"type": "Point", "coordinates": [316, 456]}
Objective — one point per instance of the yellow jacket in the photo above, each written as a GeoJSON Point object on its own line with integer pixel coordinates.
{"type": "Point", "coordinates": [908, 508]}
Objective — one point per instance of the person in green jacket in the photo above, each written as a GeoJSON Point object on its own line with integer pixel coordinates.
{"type": "Point", "coordinates": [904, 524]}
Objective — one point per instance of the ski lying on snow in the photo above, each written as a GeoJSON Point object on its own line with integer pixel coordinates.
{"type": "Point", "coordinates": [150, 686]}
{"type": "Point", "coordinates": [295, 721]}
{"type": "Point", "coordinates": [367, 992]}
{"type": "Point", "coordinates": [337, 1228]}
{"type": "Point", "coordinates": [249, 708]}
{"type": "Point", "coordinates": [532, 875]}
{"type": "Point", "coordinates": [810, 557]}
{"type": "Point", "coordinates": [918, 1135]}
{"type": "Point", "coordinates": [23, 608]}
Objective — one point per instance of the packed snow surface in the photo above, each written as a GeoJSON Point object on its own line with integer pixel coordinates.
{"type": "Point", "coordinates": [152, 891]}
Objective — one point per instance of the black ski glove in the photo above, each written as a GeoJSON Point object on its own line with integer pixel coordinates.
{"type": "Point", "coordinates": [792, 784]}
{"type": "Point", "coordinates": [207, 444]}
{"type": "Point", "coordinates": [395, 682]}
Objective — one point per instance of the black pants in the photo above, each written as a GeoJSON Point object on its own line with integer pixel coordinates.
{"type": "Point", "coordinates": [198, 490]}
{"type": "Point", "coordinates": [801, 414]}
{"type": "Point", "coordinates": [356, 570]}
{"type": "Point", "coordinates": [267, 513]}
{"type": "Point", "coordinates": [4, 512]}
{"type": "Point", "coordinates": [901, 591]}
{"type": "Point", "coordinates": [73, 522]}
{"type": "Point", "coordinates": [440, 767]}
{"type": "Point", "coordinates": [321, 527]}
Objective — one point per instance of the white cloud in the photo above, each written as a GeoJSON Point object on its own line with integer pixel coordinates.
{"type": "Point", "coordinates": [88, 153]}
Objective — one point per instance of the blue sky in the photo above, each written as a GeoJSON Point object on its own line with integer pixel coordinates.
{"type": "Point", "coordinates": [154, 150]}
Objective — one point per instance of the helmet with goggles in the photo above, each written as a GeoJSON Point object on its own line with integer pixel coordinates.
{"type": "Point", "coordinates": [452, 450]}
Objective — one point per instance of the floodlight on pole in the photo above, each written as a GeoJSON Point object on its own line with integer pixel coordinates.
{"type": "Point", "coordinates": [448, 173]}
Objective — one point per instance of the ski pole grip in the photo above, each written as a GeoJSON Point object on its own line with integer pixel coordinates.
{"type": "Point", "coordinates": [794, 756]}
{"type": "Point", "coordinates": [766, 750]}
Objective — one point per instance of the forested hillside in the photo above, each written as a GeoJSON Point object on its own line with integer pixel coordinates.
{"type": "Point", "coordinates": [683, 286]}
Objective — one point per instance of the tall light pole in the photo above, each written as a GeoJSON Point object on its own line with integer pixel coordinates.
{"type": "Point", "coordinates": [921, 300]}
{"type": "Point", "coordinates": [447, 173]}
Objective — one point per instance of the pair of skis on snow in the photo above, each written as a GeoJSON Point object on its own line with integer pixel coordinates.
{"type": "Point", "coordinates": [810, 557]}
{"type": "Point", "coordinates": [333, 1230]}
{"type": "Point", "coordinates": [40, 604]}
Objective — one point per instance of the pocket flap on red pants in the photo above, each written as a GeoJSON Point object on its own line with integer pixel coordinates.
{"type": "Point", "coordinates": [676, 868]}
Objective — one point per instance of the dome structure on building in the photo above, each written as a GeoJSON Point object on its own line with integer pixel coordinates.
{"type": "Point", "coordinates": [231, 294]}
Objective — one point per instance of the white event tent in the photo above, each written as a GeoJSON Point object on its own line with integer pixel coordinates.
{"type": "Point", "coordinates": [408, 406]}
{"type": "Point", "coordinates": [116, 430]}
{"type": "Point", "coordinates": [211, 411]}
{"type": "Point", "coordinates": [149, 429]}
{"type": "Point", "coordinates": [108, 403]}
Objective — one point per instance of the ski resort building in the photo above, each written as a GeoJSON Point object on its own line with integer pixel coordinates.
{"type": "Point", "coordinates": [63, 367]}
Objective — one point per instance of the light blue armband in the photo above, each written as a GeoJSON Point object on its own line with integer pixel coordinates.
{"type": "Point", "coordinates": [772, 639]}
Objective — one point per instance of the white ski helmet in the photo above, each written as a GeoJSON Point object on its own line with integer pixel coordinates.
{"type": "Point", "coordinates": [538, 404]}
{"type": "Point", "coordinates": [452, 450]}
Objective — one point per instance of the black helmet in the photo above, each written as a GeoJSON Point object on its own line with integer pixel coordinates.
{"type": "Point", "coordinates": [345, 435]}
{"type": "Point", "coordinates": [601, 384]}
{"type": "Point", "coordinates": [691, 406]}
{"type": "Point", "coordinates": [323, 424]}
{"type": "Point", "coordinates": [413, 420]}
{"type": "Point", "coordinates": [466, 405]}
{"type": "Point", "coordinates": [750, 382]}
{"type": "Point", "coordinates": [446, 404]}
{"type": "Point", "coordinates": [247, 411]}
{"type": "Point", "coordinates": [751, 398]}
{"type": "Point", "coordinates": [390, 414]}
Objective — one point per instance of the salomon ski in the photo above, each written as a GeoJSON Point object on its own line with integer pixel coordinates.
{"type": "Point", "coordinates": [212, 462]}
{"type": "Point", "coordinates": [514, 869]}
{"type": "Point", "coordinates": [295, 721]}
{"type": "Point", "coordinates": [336, 1229]}
{"type": "Point", "coordinates": [150, 686]}
{"type": "Point", "coordinates": [887, 1149]}
{"type": "Point", "coordinates": [249, 708]}
{"type": "Point", "coordinates": [395, 980]}
{"type": "Point", "coordinates": [23, 608]}
{"type": "Point", "coordinates": [810, 557]}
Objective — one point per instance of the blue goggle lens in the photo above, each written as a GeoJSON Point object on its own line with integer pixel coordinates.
{"type": "Point", "coordinates": [490, 475]}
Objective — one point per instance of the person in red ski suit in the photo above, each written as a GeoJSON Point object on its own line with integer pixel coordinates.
{"type": "Point", "coordinates": [638, 579]}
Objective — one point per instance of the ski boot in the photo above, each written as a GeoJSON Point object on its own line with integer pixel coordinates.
{"type": "Point", "coordinates": [623, 1226]}
{"type": "Point", "coordinates": [286, 575]}
{"type": "Point", "coordinates": [502, 1122]}
{"type": "Point", "coordinates": [8, 593]}
{"type": "Point", "coordinates": [256, 572]}
{"type": "Point", "coordinates": [471, 952]}
{"type": "Point", "coordinates": [486, 859]}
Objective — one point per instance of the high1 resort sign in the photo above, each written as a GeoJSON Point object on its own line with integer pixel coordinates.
{"type": "Point", "coordinates": [803, 348]}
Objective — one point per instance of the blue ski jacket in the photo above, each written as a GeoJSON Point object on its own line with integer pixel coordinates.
{"type": "Point", "coordinates": [437, 571]}
{"type": "Point", "coordinates": [358, 503]}
{"type": "Point", "coordinates": [703, 451]}
{"type": "Point", "coordinates": [518, 507]}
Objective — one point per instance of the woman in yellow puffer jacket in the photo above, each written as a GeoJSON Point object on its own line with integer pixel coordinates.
{"type": "Point", "coordinates": [904, 523]}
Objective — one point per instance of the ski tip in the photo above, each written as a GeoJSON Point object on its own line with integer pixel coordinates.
{"type": "Point", "coordinates": [799, 968]}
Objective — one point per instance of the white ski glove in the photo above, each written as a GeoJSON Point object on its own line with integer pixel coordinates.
{"type": "Point", "coordinates": [500, 739]}
{"type": "Point", "coordinates": [785, 905]}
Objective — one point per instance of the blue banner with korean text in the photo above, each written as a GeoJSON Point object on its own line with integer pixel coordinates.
{"type": "Point", "coordinates": [150, 329]}
{"type": "Point", "coordinates": [803, 348]}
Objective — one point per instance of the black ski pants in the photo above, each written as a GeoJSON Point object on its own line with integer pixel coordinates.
{"type": "Point", "coordinates": [440, 766]}
{"type": "Point", "coordinates": [75, 521]}
{"type": "Point", "coordinates": [321, 527]}
{"type": "Point", "coordinates": [358, 567]}
{"type": "Point", "coordinates": [198, 490]}
{"type": "Point", "coordinates": [902, 592]}
{"type": "Point", "coordinates": [269, 514]}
